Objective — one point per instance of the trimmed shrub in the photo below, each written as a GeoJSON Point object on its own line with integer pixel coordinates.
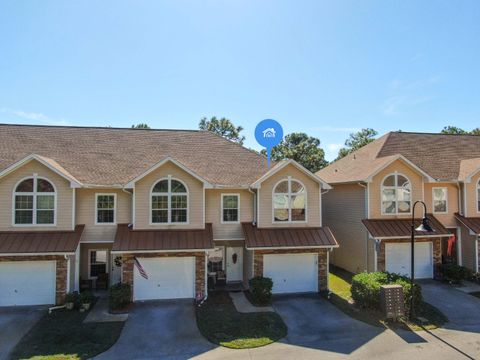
{"type": "Point", "coordinates": [455, 273]}
{"type": "Point", "coordinates": [120, 296]}
{"type": "Point", "coordinates": [261, 289]}
{"type": "Point", "coordinates": [72, 297]}
{"type": "Point", "coordinates": [366, 289]}
{"type": "Point", "coordinates": [85, 297]}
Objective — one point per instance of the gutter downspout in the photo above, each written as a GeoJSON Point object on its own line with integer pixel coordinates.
{"type": "Point", "coordinates": [254, 205]}
{"type": "Point", "coordinates": [68, 273]}
{"type": "Point", "coordinates": [366, 215]}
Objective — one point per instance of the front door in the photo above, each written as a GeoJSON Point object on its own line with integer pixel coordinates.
{"type": "Point", "coordinates": [234, 264]}
{"type": "Point", "coordinates": [116, 269]}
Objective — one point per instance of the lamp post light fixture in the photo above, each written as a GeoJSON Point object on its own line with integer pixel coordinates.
{"type": "Point", "coordinates": [424, 227]}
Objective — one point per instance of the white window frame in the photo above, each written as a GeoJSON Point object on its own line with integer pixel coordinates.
{"type": "Point", "coordinates": [446, 200]}
{"type": "Point", "coordinates": [107, 265]}
{"type": "Point", "coordinates": [34, 194]}
{"type": "Point", "coordinates": [222, 221]}
{"type": "Point", "coordinates": [289, 221]}
{"type": "Point", "coordinates": [114, 209]}
{"type": "Point", "coordinates": [382, 187]}
{"type": "Point", "coordinates": [169, 209]}
{"type": "Point", "coordinates": [477, 188]}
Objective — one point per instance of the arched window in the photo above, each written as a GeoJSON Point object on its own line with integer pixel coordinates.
{"type": "Point", "coordinates": [289, 201]}
{"type": "Point", "coordinates": [396, 194]}
{"type": "Point", "coordinates": [34, 202]}
{"type": "Point", "coordinates": [169, 202]}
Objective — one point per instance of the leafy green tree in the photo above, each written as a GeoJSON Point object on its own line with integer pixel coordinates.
{"type": "Point", "coordinates": [457, 131]}
{"type": "Point", "coordinates": [302, 148]}
{"type": "Point", "coordinates": [223, 127]}
{"type": "Point", "coordinates": [141, 126]}
{"type": "Point", "coordinates": [357, 140]}
{"type": "Point", "coordinates": [453, 130]}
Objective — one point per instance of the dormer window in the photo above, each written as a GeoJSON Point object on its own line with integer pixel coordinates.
{"type": "Point", "coordinates": [396, 195]}
{"type": "Point", "coordinates": [34, 202]}
{"type": "Point", "coordinates": [169, 202]}
{"type": "Point", "coordinates": [289, 201]}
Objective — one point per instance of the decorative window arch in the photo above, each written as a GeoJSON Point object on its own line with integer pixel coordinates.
{"type": "Point", "coordinates": [34, 202]}
{"type": "Point", "coordinates": [289, 201]}
{"type": "Point", "coordinates": [396, 194]}
{"type": "Point", "coordinates": [169, 202]}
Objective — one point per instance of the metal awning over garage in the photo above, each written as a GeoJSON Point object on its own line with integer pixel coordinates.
{"type": "Point", "coordinates": [284, 238]}
{"type": "Point", "coordinates": [401, 228]}
{"type": "Point", "coordinates": [128, 240]}
{"type": "Point", "coordinates": [40, 242]}
{"type": "Point", "coordinates": [472, 223]}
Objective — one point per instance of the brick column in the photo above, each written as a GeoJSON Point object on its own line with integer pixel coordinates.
{"type": "Point", "coordinates": [257, 263]}
{"type": "Point", "coordinates": [200, 273]}
{"type": "Point", "coordinates": [322, 270]}
{"type": "Point", "coordinates": [61, 280]}
{"type": "Point", "coordinates": [127, 270]}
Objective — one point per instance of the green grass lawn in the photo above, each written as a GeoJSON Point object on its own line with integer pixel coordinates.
{"type": "Point", "coordinates": [62, 335]}
{"type": "Point", "coordinates": [221, 324]}
{"type": "Point", "coordinates": [340, 283]}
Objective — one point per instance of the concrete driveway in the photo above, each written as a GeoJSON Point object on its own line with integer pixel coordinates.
{"type": "Point", "coordinates": [15, 322]}
{"type": "Point", "coordinates": [160, 330]}
{"type": "Point", "coordinates": [462, 310]}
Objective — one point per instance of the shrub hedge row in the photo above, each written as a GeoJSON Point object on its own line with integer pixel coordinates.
{"type": "Point", "coordinates": [366, 289]}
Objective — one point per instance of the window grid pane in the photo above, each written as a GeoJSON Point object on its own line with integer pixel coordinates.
{"type": "Point", "coordinates": [23, 216]}
{"type": "Point", "coordinates": [25, 186]}
{"type": "Point", "coordinates": [45, 217]}
{"type": "Point", "coordinates": [159, 216]}
{"type": "Point", "coordinates": [106, 202]}
{"type": "Point", "coordinates": [45, 202]}
{"type": "Point", "coordinates": [105, 216]}
{"type": "Point", "coordinates": [44, 186]}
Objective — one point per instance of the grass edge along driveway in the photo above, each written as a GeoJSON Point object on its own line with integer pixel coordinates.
{"type": "Point", "coordinates": [340, 282]}
{"type": "Point", "coordinates": [63, 335]}
{"type": "Point", "coordinates": [220, 323]}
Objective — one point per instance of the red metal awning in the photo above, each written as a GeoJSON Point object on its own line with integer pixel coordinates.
{"type": "Point", "coordinates": [40, 242]}
{"type": "Point", "coordinates": [272, 238]}
{"type": "Point", "coordinates": [401, 228]}
{"type": "Point", "coordinates": [128, 240]}
{"type": "Point", "coordinates": [472, 223]}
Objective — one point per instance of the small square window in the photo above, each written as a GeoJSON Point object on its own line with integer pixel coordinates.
{"type": "Point", "coordinates": [105, 209]}
{"type": "Point", "coordinates": [230, 208]}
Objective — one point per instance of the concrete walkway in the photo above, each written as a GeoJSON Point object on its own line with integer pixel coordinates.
{"type": "Point", "coordinates": [99, 313]}
{"type": "Point", "coordinates": [468, 287]}
{"type": "Point", "coordinates": [244, 306]}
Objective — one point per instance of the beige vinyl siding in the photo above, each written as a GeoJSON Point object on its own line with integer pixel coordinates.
{"type": "Point", "coordinates": [142, 198]}
{"type": "Point", "coordinates": [85, 213]}
{"type": "Point", "coordinates": [376, 185]}
{"type": "Point", "coordinates": [468, 248]}
{"type": "Point", "coordinates": [63, 209]}
{"type": "Point", "coordinates": [447, 219]}
{"type": "Point", "coordinates": [214, 208]}
{"type": "Point", "coordinates": [265, 213]}
{"type": "Point", "coordinates": [343, 210]}
{"type": "Point", "coordinates": [471, 188]}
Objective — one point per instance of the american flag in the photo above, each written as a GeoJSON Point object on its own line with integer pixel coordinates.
{"type": "Point", "coordinates": [140, 268]}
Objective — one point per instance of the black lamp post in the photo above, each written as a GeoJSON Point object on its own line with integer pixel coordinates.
{"type": "Point", "coordinates": [425, 227]}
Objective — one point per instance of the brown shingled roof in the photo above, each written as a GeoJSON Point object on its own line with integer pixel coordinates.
{"type": "Point", "coordinates": [401, 228]}
{"type": "Point", "coordinates": [472, 223]}
{"type": "Point", "coordinates": [127, 239]}
{"type": "Point", "coordinates": [417, 148]}
{"type": "Point", "coordinates": [314, 237]}
{"type": "Point", "coordinates": [39, 242]}
{"type": "Point", "coordinates": [112, 156]}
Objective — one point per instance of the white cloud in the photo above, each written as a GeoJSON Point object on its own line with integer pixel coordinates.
{"type": "Point", "coordinates": [39, 117]}
{"type": "Point", "coordinates": [334, 147]}
{"type": "Point", "coordinates": [393, 104]}
{"type": "Point", "coordinates": [336, 129]}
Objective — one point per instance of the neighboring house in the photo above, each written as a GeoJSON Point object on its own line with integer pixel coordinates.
{"type": "Point", "coordinates": [374, 188]}
{"type": "Point", "coordinates": [79, 205]}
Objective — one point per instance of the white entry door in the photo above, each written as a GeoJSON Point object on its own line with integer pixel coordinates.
{"type": "Point", "coordinates": [292, 273]}
{"type": "Point", "coordinates": [234, 264]}
{"type": "Point", "coordinates": [168, 278]}
{"type": "Point", "coordinates": [397, 259]}
{"type": "Point", "coordinates": [27, 283]}
{"type": "Point", "coordinates": [115, 269]}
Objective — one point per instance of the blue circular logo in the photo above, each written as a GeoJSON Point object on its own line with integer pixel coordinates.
{"type": "Point", "coordinates": [268, 133]}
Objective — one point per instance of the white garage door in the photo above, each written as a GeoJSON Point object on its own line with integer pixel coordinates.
{"type": "Point", "coordinates": [292, 273]}
{"type": "Point", "coordinates": [27, 283]}
{"type": "Point", "coordinates": [168, 278]}
{"type": "Point", "coordinates": [397, 259]}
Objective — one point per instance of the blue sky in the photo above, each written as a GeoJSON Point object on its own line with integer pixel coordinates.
{"type": "Point", "coordinates": [325, 68]}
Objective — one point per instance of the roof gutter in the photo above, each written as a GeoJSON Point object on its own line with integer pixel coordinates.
{"type": "Point", "coordinates": [292, 247]}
